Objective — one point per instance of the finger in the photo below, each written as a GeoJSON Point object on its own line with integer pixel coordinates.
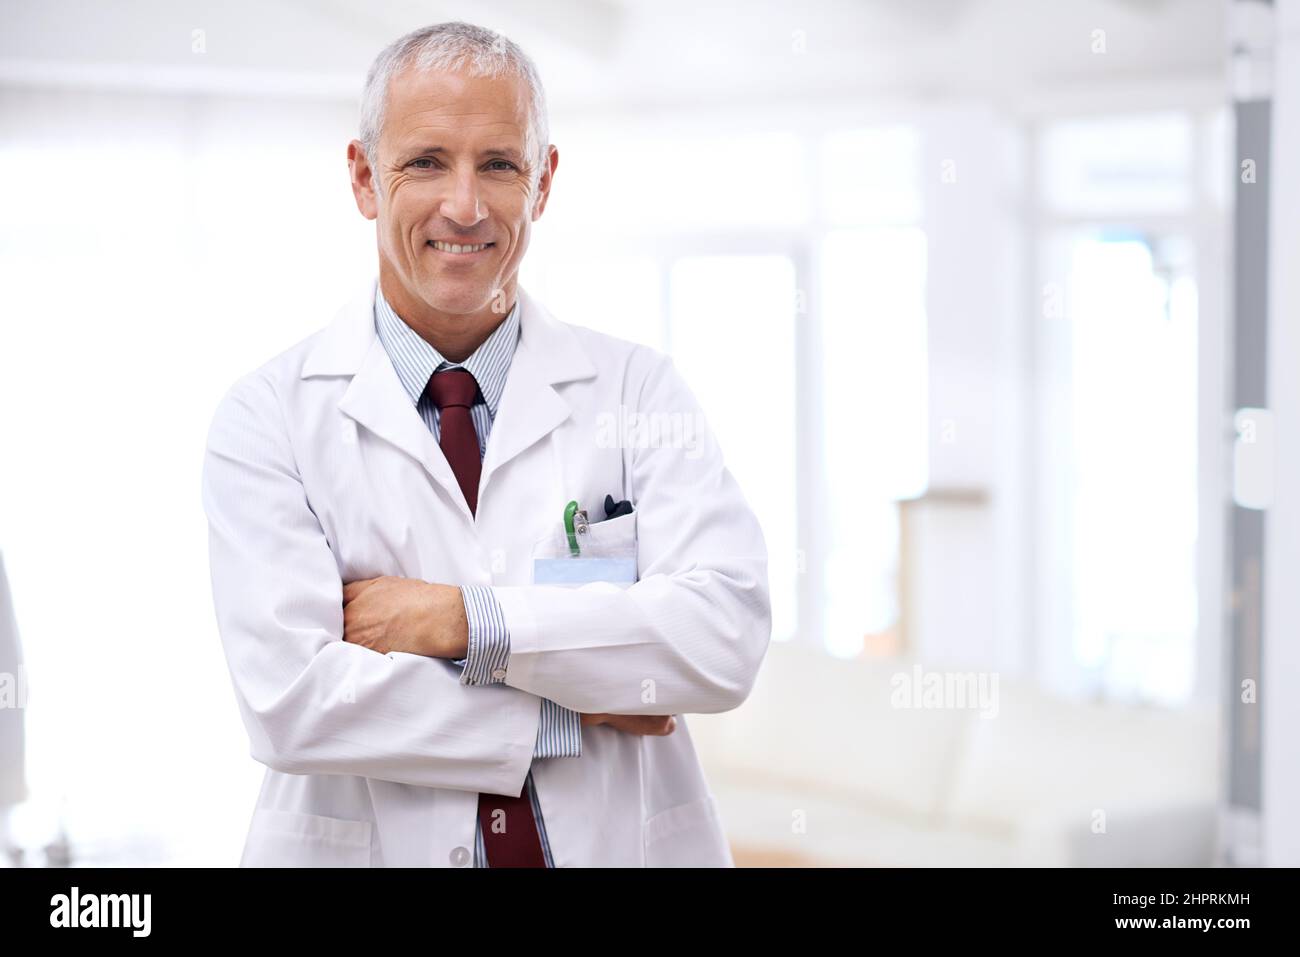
{"type": "Point", "coordinates": [628, 724]}
{"type": "Point", "coordinates": [656, 724]}
{"type": "Point", "coordinates": [644, 724]}
{"type": "Point", "coordinates": [352, 589]}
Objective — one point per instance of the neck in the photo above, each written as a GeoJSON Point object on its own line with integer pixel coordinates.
{"type": "Point", "coordinates": [454, 335]}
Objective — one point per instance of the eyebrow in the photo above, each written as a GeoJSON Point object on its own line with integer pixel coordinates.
{"type": "Point", "coordinates": [494, 153]}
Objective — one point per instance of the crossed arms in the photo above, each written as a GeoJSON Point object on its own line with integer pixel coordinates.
{"type": "Point", "coordinates": [426, 618]}
{"type": "Point", "coordinates": [360, 678]}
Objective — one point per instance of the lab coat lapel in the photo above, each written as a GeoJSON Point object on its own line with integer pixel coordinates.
{"type": "Point", "coordinates": [375, 397]}
{"type": "Point", "coordinates": [377, 400]}
{"type": "Point", "coordinates": [548, 353]}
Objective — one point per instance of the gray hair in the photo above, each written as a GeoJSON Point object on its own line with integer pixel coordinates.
{"type": "Point", "coordinates": [454, 46]}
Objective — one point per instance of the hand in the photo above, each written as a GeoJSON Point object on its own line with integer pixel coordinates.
{"type": "Point", "coordinates": [405, 614]}
{"type": "Point", "coordinates": [657, 724]}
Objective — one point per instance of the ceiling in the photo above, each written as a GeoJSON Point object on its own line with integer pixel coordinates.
{"type": "Point", "coordinates": [620, 53]}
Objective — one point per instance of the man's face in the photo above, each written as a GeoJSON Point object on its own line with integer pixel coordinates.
{"type": "Point", "coordinates": [454, 171]}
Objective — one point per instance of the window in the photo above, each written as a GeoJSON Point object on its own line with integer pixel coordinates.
{"type": "Point", "coordinates": [703, 180]}
{"type": "Point", "coordinates": [871, 176]}
{"type": "Point", "coordinates": [1132, 496]}
{"type": "Point", "coordinates": [747, 229]}
{"type": "Point", "coordinates": [733, 335]}
{"type": "Point", "coordinates": [1118, 166]}
{"type": "Point", "coordinates": [1125, 207]}
{"type": "Point", "coordinates": [876, 425]}
{"type": "Point", "coordinates": [618, 295]}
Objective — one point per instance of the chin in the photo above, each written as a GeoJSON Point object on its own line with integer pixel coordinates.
{"type": "Point", "coordinates": [453, 296]}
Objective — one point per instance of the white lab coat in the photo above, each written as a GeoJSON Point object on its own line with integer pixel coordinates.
{"type": "Point", "coordinates": [319, 471]}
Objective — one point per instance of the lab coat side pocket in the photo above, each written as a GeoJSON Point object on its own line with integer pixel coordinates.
{"type": "Point", "coordinates": [688, 835]}
{"type": "Point", "coordinates": [294, 839]}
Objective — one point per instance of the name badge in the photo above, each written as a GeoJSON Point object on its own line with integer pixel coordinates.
{"type": "Point", "coordinates": [580, 571]}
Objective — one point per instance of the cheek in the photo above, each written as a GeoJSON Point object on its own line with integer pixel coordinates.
{"type": "Point", "coordinates": [519, 229]}
{"type": "Point", "coordinates": [403, 211]}
{"type": "Point", "coordinates": [404, 236]}
{"type": "Point", "coordinates": [516, 209]}
{"type": "Point", "coordinates": [521, 239]}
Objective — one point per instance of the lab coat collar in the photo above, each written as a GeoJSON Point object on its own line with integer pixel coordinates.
{"type": "Point", "coordinates": [548, 353]}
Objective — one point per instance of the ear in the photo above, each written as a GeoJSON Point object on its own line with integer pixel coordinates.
{"type": "Point", "coordinates": [363, 180]}
{"type": "Point", "coordinates": [544, 184]}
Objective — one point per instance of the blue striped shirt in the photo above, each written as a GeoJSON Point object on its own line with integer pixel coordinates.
{"type": "Point", "coordinates": [559, 733]}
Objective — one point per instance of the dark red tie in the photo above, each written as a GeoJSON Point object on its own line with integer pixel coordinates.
{"type": "Point", "coordinates": [453, 392]}
{"type": "Point", "coordinates": [509, 828]}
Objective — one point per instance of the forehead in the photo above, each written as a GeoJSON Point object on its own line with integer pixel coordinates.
{"type": "Point", "coordinates": [446, 103]}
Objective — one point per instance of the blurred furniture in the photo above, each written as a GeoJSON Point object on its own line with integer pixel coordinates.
{"type": "Point", "coordinates": [947, 588]}
{"type": "Point", "coordinates": [818, 768]}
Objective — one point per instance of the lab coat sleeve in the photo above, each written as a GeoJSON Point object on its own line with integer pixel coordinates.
{"type": "Point", "coordinates": [311, 702]}
{"type": "Point", "coordinates": [559, 733]}
{"type": "Point", "coordinates": [690, 634]}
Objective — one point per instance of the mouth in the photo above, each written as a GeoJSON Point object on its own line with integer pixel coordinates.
{"type": "Point", "coordinates": [460, 250]}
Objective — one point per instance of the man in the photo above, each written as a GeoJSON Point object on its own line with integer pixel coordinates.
{"type": "Point", "coordinates": [377, 498]}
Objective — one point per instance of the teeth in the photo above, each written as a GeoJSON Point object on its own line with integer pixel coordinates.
{"type": "Point", "coordinates": [455, 248]}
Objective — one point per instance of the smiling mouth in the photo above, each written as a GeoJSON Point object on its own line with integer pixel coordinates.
{"type": "Point", "coordinates": [458, 248]}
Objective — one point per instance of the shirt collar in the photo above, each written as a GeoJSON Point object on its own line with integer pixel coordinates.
{"type": "Point", "coordinates": [416, 360]}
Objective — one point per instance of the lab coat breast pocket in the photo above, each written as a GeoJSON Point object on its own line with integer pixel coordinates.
{"type": "Point", "coordinates": [293, 839]}
{"type": "Point", "coordinates": [607, 552]}
{"type": "Point", "coordinates": [612, 538]}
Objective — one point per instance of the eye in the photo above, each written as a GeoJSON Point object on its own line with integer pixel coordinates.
{"type": "Point", "coordinates": [425, 160]}
{"type": "Point", "coordinates": [506, 163]}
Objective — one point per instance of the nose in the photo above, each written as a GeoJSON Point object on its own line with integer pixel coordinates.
{"type": "Point", "coordinates": [461, 205]}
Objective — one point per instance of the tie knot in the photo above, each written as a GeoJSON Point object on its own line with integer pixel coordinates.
{"type": "Point", "coordinates": [452, 387]}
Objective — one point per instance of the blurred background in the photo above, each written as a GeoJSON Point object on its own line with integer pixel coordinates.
{"type": "Point", "coordinates": [1017, 290]}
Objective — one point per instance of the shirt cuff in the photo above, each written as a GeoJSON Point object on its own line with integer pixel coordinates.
{"type": "Point", "coordinates": [489, 639]}
{"type": "Point", "coordinates": [559, 734]}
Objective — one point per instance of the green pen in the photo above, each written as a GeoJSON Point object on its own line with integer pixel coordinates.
{"type": "Point", "coordinates": [570, 511]}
